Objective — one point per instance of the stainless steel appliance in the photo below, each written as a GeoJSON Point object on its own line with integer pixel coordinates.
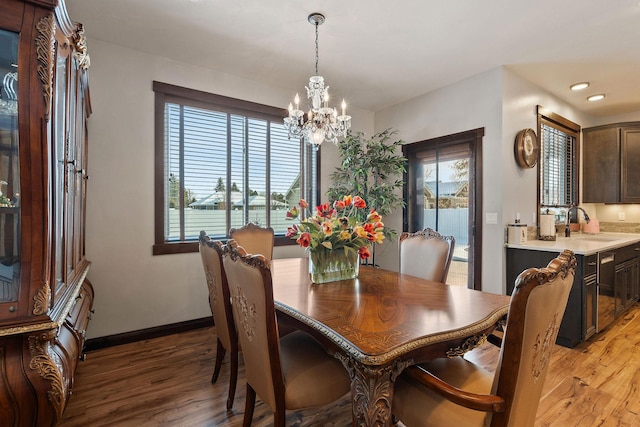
{"type": "Point", "coordinates": [606, 291]}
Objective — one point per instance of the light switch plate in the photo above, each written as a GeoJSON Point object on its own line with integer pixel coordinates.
{"type": "Point", "coordinates": [492, 218]}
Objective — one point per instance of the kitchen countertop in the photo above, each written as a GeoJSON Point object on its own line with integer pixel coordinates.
{"type": "Point", "coordinates": [581, 244]}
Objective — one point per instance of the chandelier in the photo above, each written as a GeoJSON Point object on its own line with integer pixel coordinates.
{"type": "Point", "coordinates": [321, 121]}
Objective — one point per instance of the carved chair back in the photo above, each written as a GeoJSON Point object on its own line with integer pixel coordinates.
{"type": "Point", "coordinates": [426, 254]}
{"type": "Point", "coordinates": [255, 239]}
{"type": "Point", "coordinates": [220, 303]}
{"type": "Point", "coordinates": [254, 313]}
{"type": "Point", "coordinates": [535, 313]}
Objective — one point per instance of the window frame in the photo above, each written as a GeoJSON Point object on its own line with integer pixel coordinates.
{"type": "Point", "coordinates": [164, 93]}
{"type": "Point", "coordinates": [572, 129]}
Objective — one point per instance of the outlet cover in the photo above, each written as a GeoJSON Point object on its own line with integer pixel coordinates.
{"type": "Point", "coordinates": [492, 218]}
{"type": "Point", "coordinates": [621, 216]}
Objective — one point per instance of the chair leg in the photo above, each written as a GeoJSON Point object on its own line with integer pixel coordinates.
{"type": "Point", "coordinates": [233, 377]}
{"type": "Point", "coordinates": [220, 352]}
{"type": "Point", "coordinates": [250, 403]}
{"type": "Point", "coordinates": [280, 417]}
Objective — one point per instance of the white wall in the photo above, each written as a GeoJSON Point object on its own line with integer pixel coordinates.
{"type": "Point", "coordinates": [520, 98]}
{"type": "Point", "coordinates": [503, 103]}
{"type": "Point", "coordinates": [470, 104]}
{"type": "Point", "coordinates": [135, 290]}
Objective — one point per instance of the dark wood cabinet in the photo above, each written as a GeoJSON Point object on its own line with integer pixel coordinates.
{"type": "Point", "coordinates": [580, 316]}
{"type": "Point", "coordinates": [611, 163]}
{"type": "Point", "coordinates": [630, 168]}
{"type": "Point", "coordinates": [627, 281]}
{"type": "Point", "coordinates": [580, 320]}
{"type": "Point", "coordinates": [45, 299]}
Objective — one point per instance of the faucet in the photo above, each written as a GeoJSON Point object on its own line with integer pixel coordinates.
{"type": "Point", "coordinates": [567, 230]}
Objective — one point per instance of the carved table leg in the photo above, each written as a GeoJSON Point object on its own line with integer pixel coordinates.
{"type": "Point", "coordinates": [372, 390]}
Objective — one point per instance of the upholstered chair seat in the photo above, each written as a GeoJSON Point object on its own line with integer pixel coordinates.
{"type": "Point", "coordinates": [426, 254]}
{"type": "Point", "coordinates": [311, 378]}
{"type": "Point", "coordinates": [414, 404]}
{"type": "Point", "coordinates": [455, 392]}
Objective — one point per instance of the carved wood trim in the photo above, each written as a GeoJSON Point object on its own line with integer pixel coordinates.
{"type": "Point", "coordinates": [468, 345]}
{"type": "Point", "coordinates": [48, 365]}
{"type": "Point", "coordinates": [80, 44]}
{"type": "Point", "coordinates": [42, 300]}
{"type": "Point", "coordinates": [372, 389]}
{"type": "Point", "coordinates": [45, 43]}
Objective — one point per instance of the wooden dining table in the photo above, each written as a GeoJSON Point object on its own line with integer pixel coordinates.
{"type": "Point", "coordinates": [382, 322]}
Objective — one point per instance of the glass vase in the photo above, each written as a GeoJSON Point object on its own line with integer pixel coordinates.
{"type": "Point", "coordinates": [330, 266]}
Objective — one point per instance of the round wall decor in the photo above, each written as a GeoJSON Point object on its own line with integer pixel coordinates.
{"type": "Point", "coordinates": [526, 148]}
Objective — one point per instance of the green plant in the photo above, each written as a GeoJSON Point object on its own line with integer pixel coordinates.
{"type": "Point", "coordinates": [371, 168]}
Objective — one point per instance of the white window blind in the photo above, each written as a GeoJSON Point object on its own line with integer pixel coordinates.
{"type": "Point", "coordinates": [558, 167]}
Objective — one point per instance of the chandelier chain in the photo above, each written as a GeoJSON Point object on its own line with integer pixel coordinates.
{"type": "Point", "coordinates": [317, 48]}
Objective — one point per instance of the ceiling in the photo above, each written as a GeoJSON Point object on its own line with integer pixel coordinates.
{"type": "Point", "coordinates": [380, 53]}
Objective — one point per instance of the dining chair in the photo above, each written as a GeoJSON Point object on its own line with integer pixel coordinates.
{"type": "Point", "coordinates": [292, 372]}
{"type": "Point", "coordinates": [220, 303]}
{"type": "Point", "coordinates": [254, 239]}
{"type": "Point", "coordinates": [426, 254]}
{"type": "Point", "coordinates": [456, 392]}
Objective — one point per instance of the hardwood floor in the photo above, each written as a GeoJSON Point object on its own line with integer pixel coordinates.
{"type": "Point", "coordinates": [166, 382]}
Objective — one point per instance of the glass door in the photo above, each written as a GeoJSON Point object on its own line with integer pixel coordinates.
{"type": "Point", "coordinates": [9, 169]}
{"type": "Point", "coordinates": [60, 166]}
{"type": "Point", "coordinates": [442, 193]}
{"type": "Point", "coordinates": [443, 180]}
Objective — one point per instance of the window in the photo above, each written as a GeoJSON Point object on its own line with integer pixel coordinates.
{"type": "Point", "coordinates": [223, 162]}
{"type": "Point", "coordinates": [558, 170]}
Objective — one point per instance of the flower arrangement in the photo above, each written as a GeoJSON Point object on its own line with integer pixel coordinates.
{"type": "Point", "coordinates": [344, 225]}
{"type": "Point", "coordinates": [336, 235]}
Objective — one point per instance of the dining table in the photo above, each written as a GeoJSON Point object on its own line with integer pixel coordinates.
{"type": "Point", "coordinates": [382, 322]}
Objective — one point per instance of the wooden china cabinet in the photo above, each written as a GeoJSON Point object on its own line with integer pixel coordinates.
{"type": "Point", "coordinates": [45, 299]}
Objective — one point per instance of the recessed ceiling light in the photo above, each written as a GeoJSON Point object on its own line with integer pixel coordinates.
{"type": "Point", "coordinates": [579, 86]}
{"type": "Point", "coordinates": [596, 97]}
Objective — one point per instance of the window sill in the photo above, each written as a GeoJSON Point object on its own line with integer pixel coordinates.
{"type": "Point", "coordinates": [188, 247]}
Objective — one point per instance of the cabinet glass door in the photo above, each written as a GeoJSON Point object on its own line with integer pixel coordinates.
{"type": "Point", "coordinates": [60, 165]}
{"type": "Point", "coordinates": [9, 169]}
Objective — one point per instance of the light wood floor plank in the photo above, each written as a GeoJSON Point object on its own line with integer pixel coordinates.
{"type": "Point", "coordinates": [166, 382]}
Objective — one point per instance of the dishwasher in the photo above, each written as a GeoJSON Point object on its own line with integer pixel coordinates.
{"type": "Point", "coordinates": [606, 275]}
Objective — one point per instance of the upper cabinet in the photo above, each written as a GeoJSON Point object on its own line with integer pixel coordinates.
{"type": "Point", "coordinates": [45, 299]}
{"type": "Point", "coordinates": [611, 163]}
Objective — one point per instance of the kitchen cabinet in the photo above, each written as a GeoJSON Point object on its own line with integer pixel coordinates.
{"type": "Point", "coordinates": [45, 298]}
{"type": "Point", "coordinates": [580, 316]}
{"type": "Point", "coordinates": [590, 291]}
{"type": "Point", "coordinates": [611, 163]}
{"type": "Point", "coordinates": [627, 282]}
{"type": "Point", "coordinates": [626, 285]}
{"type": "Point", "coordinates": [594, 301]}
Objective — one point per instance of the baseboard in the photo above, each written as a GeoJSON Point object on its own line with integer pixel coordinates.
{"type": "Point", "coordinates": [145, 334]}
